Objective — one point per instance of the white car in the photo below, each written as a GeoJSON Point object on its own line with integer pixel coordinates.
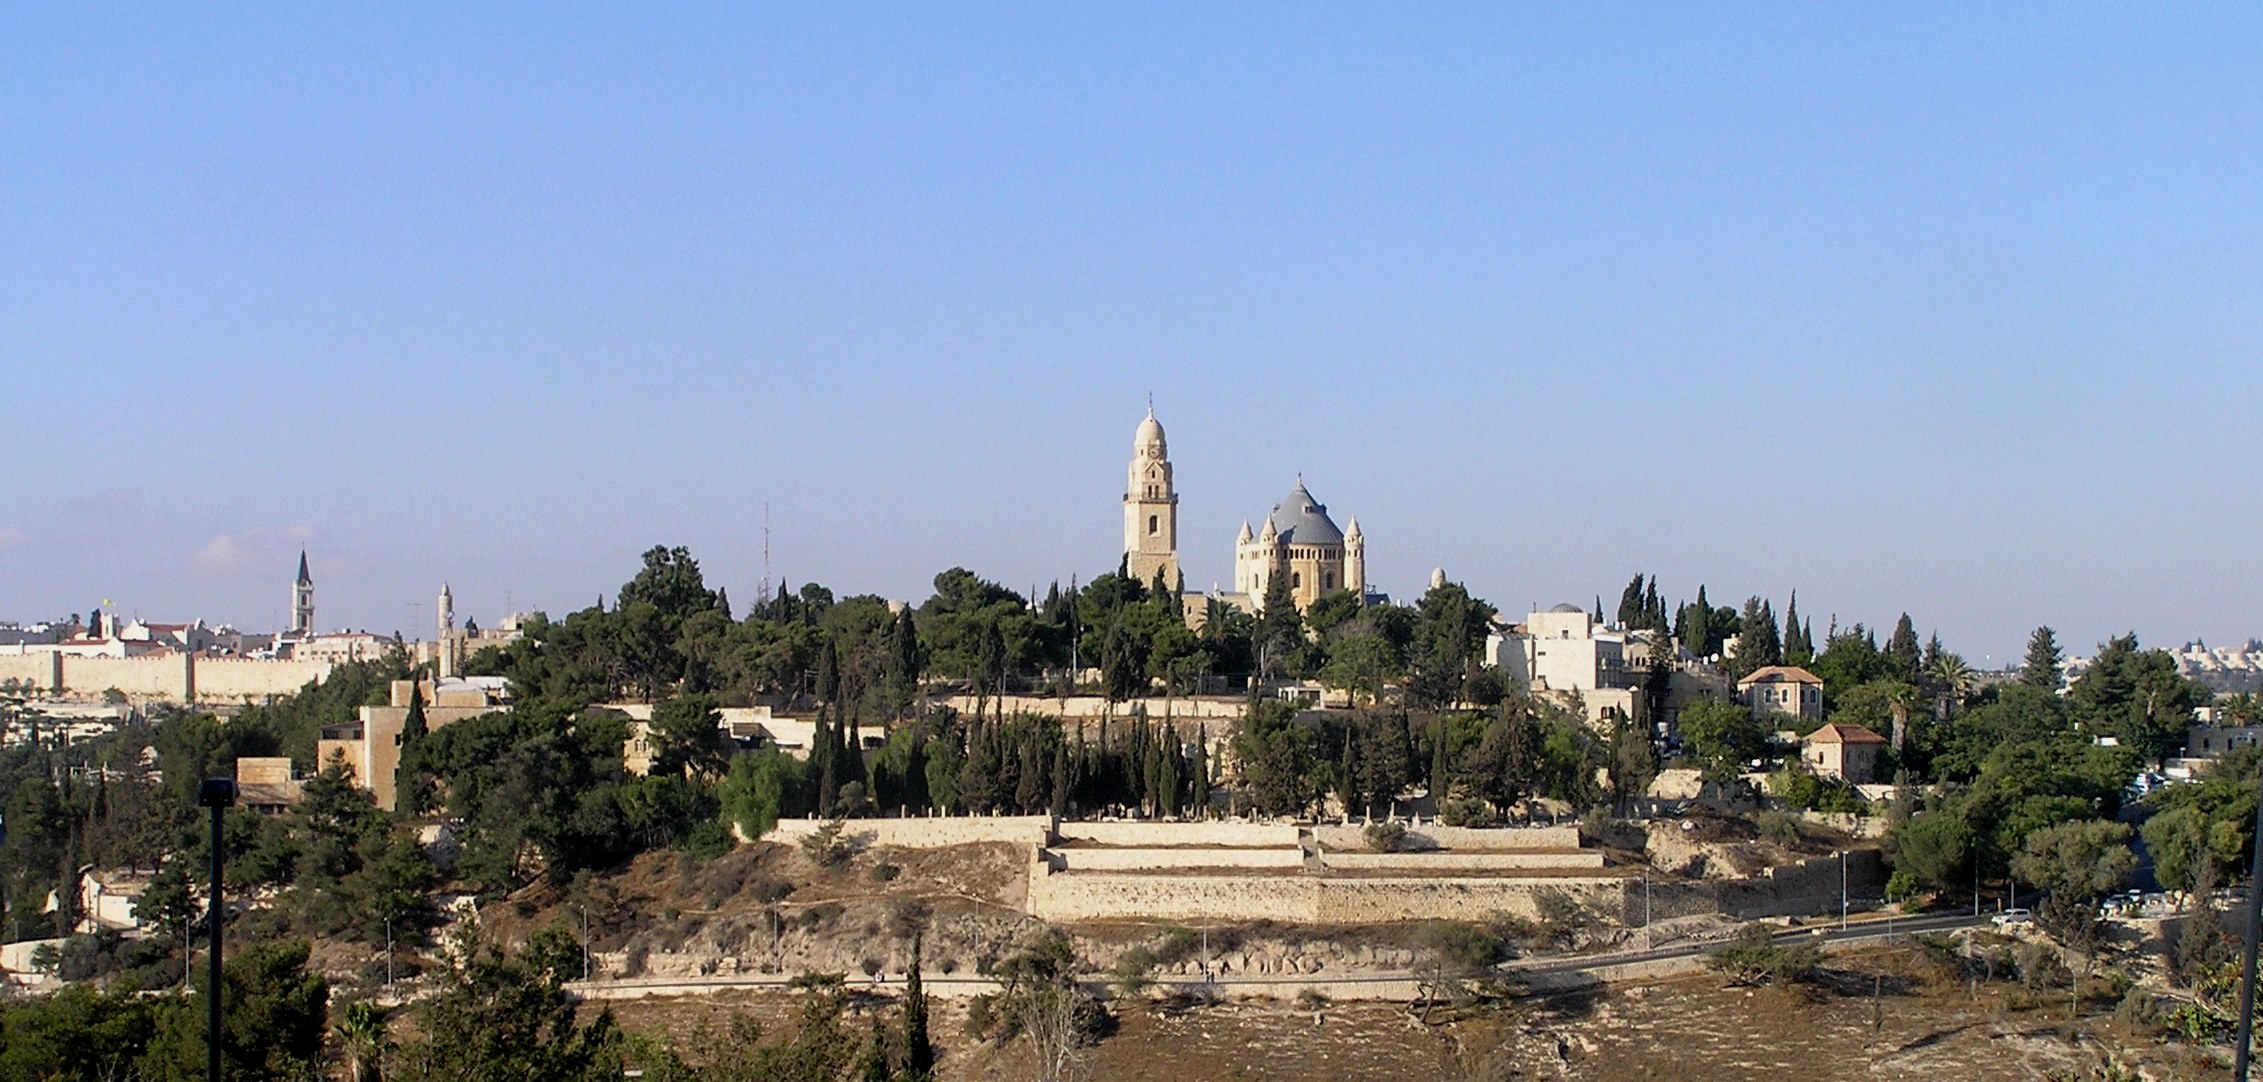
{"type": "Point", "coordinates": [2010, 917]}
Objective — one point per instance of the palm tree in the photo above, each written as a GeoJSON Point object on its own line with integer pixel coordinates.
{"type": "Point", "coordinates": [1952, 680]}
{"type": "Point", "coordinates": [361, 1036]}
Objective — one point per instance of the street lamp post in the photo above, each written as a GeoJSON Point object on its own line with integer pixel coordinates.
{"type": "Point", "coordinates": [1842, 890]}
{"type": "Point", "coordinates": [218, 794]}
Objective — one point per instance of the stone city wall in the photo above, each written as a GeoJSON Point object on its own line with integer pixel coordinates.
{"type": "Point", "coordinates": [1149, 835]}
{"type": "Point", "coordinates": [1031, 830]}
{"type": "Point", "coordinates": [231, 678]}
{"type": "Point", "coordinates": [42, 671]}
{"type": "Point", "coordinates": [1354, 836]}
{"type": "Point", "coordinates": [1077, 860]}
{"type": "Point", "coordinates": [1460, 861]}
{"type": "Point", "coordinates": [169, 677]}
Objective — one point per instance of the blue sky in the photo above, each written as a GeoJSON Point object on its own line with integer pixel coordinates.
{"type": "Point", "coordinates": [1906, 308]}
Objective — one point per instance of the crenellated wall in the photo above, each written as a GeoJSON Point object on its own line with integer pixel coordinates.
{"type": "Point", "coordinates": [226, 679]}
{"type": "Point", "coordinates": [170, 677]}
{"type": "Point", "coordinates": [42, 671]}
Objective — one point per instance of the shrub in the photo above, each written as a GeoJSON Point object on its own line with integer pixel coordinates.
{"type": "Point", "coordinates": [1756, 958]}
{"type": "Point", "coordinates": [1782, 828]}
{"type": "Point", "coordinates": [885, 872]}
{"type": "Point", "coordinates": [1385, 837]}
{"type": "Point", "coordinates": [1135, 970]}
{"type": "Point", "coordinates": [828, 845]}
{"type": "Point", "coordinates": [1461, 947]}
{"type": "Point", "coordinates": [1179, 944]}
{"type": "Point", "coordinates": [1465, 812]}
{"type": "Point", "coordinates": [1311, 999]}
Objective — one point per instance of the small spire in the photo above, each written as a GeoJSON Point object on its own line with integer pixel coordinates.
{"type": "Point", "coordinates": [304, 578]}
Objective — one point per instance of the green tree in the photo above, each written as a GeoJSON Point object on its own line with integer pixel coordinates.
{"type": "Point", "coordinates": [1936, 848]}
{"type": "Point", "coordinates": [1721, 737]}
{"type": "Point", "coordinates": [2086, 860]}
{"type": "Point", "coordinates": [2042, 667]}
{"type": "Point", "coordinates": [687, 737]}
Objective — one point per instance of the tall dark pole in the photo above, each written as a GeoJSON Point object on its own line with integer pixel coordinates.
{"type": "Point", "coordinates": [2247, 962]}
{"type": "Point", "coordinates": [218, 794]}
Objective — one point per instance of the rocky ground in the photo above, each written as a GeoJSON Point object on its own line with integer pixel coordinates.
{"type": "Point", "coordinates": [1879, 1015]}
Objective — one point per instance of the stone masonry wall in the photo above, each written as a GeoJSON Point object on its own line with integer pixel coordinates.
{"type": "Point", "coordinates": [225, 679]}
{"type": "Point", "coordinates": [42, 671]}
{"type": "Point", "coordinates": [1148, 835]}
{"type": "Point", "coordinates": [158, 676]}
{"type": "Point", "coordinates": [1030, 830]}
{"type": "Point", "coordinates": [1300, 899]}
{"type": "Point", "coordinates": [1456, 860]}
{"type": "Point", "coordinates": [1353, 836]}
{"type": "Point", "coordinates": [1159, 859]}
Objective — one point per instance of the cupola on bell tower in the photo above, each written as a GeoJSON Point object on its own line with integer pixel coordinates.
{"type": "Point", "coordinates": [1151, 508]}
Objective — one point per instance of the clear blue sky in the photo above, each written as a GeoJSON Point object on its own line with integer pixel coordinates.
{"type": "Point", "coordinates": [1906, 308]}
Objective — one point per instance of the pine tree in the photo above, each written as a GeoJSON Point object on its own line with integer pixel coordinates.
{"type": "Point", "coordinates": [1653, 607]}
{"type": "Point", "coordinates": [2041, 669]}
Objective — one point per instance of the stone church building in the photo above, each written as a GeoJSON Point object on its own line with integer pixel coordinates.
{"type": "Point", "coordinates": [1298, 539]}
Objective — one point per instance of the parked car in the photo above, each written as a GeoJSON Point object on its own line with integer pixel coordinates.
{"type": "Point", "coordinates": [2010, 917]}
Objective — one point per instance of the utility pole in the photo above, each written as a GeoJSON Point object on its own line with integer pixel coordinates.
{"type": "Point", "coordinates": [218, 794]}
{"type": "Point", "coordinates": [1842, 890]}
{"type": "Point", "coordinates": [2240, 1046]}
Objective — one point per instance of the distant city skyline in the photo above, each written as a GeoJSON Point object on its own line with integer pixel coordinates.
{"type": "Point", "coordinates": [1934, 310]}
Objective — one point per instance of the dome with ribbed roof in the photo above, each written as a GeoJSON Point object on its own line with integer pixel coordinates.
{"type": "Point", "coordinates": [1303, 520]}
{"type": "Point", "coordinates": [1150, 432]}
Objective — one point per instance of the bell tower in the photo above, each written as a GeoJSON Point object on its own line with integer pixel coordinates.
{"type": "Point", "coordinates": [1151, 508]}
{"type": "Point", "coordinates": [302, 601]}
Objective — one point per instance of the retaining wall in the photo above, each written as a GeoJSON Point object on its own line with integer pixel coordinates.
{"type": "Point", "coordinates": [1135, 859]}
{"type": "Point", "coordinates": [1354, 836]}
{"type": "Point", "coordinates": [1300, 899]}
{"type": "Point", "coordinates": [1153, 835]}
{"type": "Point", "coordinates": [1461, 861]}
{"type": "Point", "coordinates": [1031, 830]}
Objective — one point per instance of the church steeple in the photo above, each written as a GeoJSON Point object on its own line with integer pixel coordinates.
{"type": "Point", "coordinates": [302, 601]}
{"type": "Point", "coordinates": [1151, 506]}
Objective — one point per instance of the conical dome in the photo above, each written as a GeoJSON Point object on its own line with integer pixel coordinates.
{"type": "Point", "coordinates": [1303, 520]}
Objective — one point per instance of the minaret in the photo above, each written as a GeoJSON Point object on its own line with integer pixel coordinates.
{"type": "Point", "coordinates": [1151, 507]}
{"type": "Point", "coordinates": [1355, 561]}
{"type": "Point", "coordinates": [445, 659]}
{"type": "Point", "coordinates": [302, 601]}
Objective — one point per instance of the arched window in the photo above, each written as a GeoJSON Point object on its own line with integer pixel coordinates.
{"type": "Point", "coordinates": [1151, 521]}
{"type": "Point", "coordinates": [1328, 580]}
{"type": "Point", "coordinates": [1296, 580]}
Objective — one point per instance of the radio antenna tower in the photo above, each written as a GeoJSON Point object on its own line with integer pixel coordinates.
{"type": "Point", "coordinates": [764, 599]}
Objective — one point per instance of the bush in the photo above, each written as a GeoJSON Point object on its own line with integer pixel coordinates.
{"type": "Point", "coordinates": [1460, 947]}
{"type": "Point", "coordinates": [885, 872]}
{"type": "Point", "coordinates": [828, 845]}
{"type": "Point", "coordinates": [1135, 970]}
{"type": "Point", "coordinates": [1782, 828]}
{"type": "Point", "coordinates": [1311, 999]}
{"type": "Point", "coordinates": [1179, 944]}
{"type": "Point", "coordinates": [981, 1016]}
{"type": "Point", "coordinates": [1902, 886]}
{"type": "Point", "coordinates": [1465, 812]}
{"type": "Point", "coordinates": [1756, 958]}
{"type": "Point", "coordinates": [1385, 837]}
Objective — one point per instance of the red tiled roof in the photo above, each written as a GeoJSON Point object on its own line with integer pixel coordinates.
{"type": "Point", "coordinates": [1842, 733]}
{"type": "Point", "coordinates": [1779, 673]}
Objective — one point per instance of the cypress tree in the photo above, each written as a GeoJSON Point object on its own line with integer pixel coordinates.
{"type": "Point", "coordinates": [919, 1052]}
{"type": "Point", "coordinates": [1630, 604]}
{"type": "Point", "coordinates": [1902, 650]}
